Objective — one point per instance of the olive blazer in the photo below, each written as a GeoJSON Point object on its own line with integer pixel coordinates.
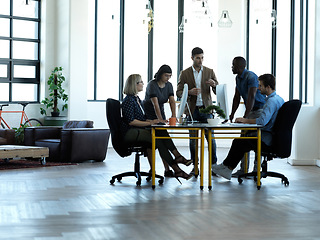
{"type": "Point", "coordinates": [186, 76]}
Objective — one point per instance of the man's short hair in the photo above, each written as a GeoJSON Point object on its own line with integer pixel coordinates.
{"type": "Point", "coordinates": [241, 62]}
{"type": "Point", "coordinates": [268, 80]}
{"type": "Point", "coordinates": [196, 51]}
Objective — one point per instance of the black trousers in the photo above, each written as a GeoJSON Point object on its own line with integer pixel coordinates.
{"type": "Point", "coordinates": [240, 146]}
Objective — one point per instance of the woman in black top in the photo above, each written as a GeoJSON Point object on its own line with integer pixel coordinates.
{"type": "Point", "coordinates": [160, 91]}
{"type": "Point", "coordinates": [135, 123]}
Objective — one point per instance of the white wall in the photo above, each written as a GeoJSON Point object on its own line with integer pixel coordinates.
{"type": "Point", "coordinates": [307, 129]}
{"type": "Point", "coordinates": [231, 43]}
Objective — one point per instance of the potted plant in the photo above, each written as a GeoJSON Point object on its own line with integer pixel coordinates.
{"type": "Point", "coordinates": [19, 133]}
{"type": "Point", "coordinates": [216, 112]}
{"type": "Point", "coordinates": [56, 92]}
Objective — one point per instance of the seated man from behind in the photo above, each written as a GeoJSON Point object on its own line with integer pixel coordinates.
{"type": "Point", "coordinates": [267, 118]}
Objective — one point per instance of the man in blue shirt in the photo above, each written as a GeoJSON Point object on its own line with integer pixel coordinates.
{"type": "Point", "coordinates": [247, 88]}
{"type": "Point", "coordinates": [267, 118]}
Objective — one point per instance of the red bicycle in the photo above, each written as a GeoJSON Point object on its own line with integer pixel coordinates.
{"type": "Point", "coordinates": [24, 121]}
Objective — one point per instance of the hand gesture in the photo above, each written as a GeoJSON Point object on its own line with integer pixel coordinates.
{"type": "Point", "coordinates": [211, 82]}
{"type": "Point", "coordinates": [194, 91]}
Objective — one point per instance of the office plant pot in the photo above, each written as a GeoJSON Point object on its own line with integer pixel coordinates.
{"type": "Point", "coordinates": [55, 121]}
{"type": "Point", "coordinates": [55, 114]}
{"type": "Point", "coordinates": [213, 121]}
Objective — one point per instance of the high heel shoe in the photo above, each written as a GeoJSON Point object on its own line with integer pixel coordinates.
{"type": "Point", "coordinates": [168, 173]}
{"type": "Point", "coordinates": [181, 159]}
{"type": "Point", "coordinates": [183, 175]}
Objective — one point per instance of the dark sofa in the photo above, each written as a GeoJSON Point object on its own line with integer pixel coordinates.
{"type": "Point", "coordinates": [75, 142]}
{"type": "Point", "coordinates": [7, 136]}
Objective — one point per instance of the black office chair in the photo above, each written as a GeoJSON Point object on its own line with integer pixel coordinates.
{"type": "Point", "coordinates": [123, 148]}
{"type": "Point", "coordinates": [282, 139]}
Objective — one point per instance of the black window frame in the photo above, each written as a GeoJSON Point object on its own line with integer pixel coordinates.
{"type": "Point", "coordinates": [303, 48]}
{"type": "Point", "coordinates": [11, 63]}
{"type": "Point", "coordinates": [303, 61]}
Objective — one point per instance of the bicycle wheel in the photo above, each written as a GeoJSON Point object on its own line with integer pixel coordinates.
{"type": "Point", "coordinates": [32, 122]}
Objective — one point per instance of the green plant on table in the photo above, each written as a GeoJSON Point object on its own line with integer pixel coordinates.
{"type": "Point", "coordinates": [214, 110]}
{"type": "Point", "coordinates": [56, 92]}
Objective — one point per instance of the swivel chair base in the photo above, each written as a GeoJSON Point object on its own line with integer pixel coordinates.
{"type": "Point", "coordinates": [136, 173]}
{"type": "Point", "coordinates": [264, 174]}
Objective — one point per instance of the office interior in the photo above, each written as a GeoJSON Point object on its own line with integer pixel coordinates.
{"type": "Point", "coordinates": [78, 202]}
{"type": "Point", "coordinates": [67, 39]}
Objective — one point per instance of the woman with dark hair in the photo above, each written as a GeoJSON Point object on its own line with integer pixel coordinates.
{"type": "Point", "coordinates": [135, 129]}
{"type": "Point", "coordinates": [159, 91]}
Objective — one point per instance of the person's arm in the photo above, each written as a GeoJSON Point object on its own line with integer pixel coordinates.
{"type": "Point", "coordinates": [129, 110]}
{"type": "Point", "coordinates": [138, 123]}
{"type": "Point", "coordinates": [250, 101]}
{"type": "Point", "coordinates": [213, 82]}
{"type": "Point", "coordinates": [156, 107]}
{"type": "Point", "coordinates": [172, 104]}
{"type": "Point", "coordinates": [235, 104]}
{"type": "Point", "coordinates": [245, 120]}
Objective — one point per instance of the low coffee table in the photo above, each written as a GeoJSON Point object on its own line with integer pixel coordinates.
{"type": "Point", "coordinates": [16, 151]}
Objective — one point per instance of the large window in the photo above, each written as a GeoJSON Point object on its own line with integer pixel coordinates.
{"type": "Point", "coordinates": [105, 84]}
{"type": "Point", "coordinates": [135, 40]}
{"type": "Point", "coordinates": [19, 50]}
{"type": "Point", "coordinates": [165, 50]}
{"type": "Point", "coordinates": [281, 42]}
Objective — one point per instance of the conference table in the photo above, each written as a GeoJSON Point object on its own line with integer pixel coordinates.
{"type": "Point", "coordinates": [221, 131]}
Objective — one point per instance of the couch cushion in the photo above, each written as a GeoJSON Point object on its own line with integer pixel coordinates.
{"type": "Point", "coordinates": [78, 124]}
{"type": "Point", "coordinates": [3, 141]}
{"type": "Point", "coordinates": [54, 148]}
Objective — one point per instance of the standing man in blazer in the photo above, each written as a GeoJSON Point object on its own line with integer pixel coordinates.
{"type": "Point", "coordinates": [201, 81]}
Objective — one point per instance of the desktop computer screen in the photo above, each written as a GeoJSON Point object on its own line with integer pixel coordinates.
{"type": "Point", "coordinates": [222, 98]}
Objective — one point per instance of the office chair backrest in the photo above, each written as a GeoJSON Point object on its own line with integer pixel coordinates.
{"type": "Point", "coordinates": [283, 126]}
{"type": "Point", "coordinates": [113, 111]}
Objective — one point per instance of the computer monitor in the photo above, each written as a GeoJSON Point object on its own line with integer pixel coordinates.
{"type": "Point", "coordinates": [183, 103]}
{"type": "Point", "coordinates": [222, 98]}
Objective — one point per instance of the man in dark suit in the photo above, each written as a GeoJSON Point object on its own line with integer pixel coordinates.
{"type": "Point", "coordinates": [201, 82]}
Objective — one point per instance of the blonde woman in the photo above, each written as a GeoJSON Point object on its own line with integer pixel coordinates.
{"type": "Point", "coordinates": [135, 127]}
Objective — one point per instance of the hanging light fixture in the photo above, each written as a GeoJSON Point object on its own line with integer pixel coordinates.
{"type": "Point", "coordinates": [149, 16]}
{"type": "Point", "coordinates": [225, 21]}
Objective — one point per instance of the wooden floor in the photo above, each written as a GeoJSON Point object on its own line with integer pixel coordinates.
{"type": "Point", "coordinates": [77, 202]}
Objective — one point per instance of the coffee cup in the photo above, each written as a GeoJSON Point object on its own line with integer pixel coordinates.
{"type": "Point", "coordinates": [172, 121]}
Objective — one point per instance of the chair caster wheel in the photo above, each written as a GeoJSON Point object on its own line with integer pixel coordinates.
{"type": "Point", "coordinates": [119, 179]}
{"type": "Point", "coordinates": [138, 183]}
{"type": "Point", "coordinates": [43, 161]}
{"type": "Point", "coordinates": [160, 181]}
{"type": "Point", "coordinates": [148, 179]}
{"type": "Point", "coordinates": [285, 182]}
{"type": "Point", "coordinates": [240, 180]}
{"type": "Point", "coordinates": [112, 181]}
